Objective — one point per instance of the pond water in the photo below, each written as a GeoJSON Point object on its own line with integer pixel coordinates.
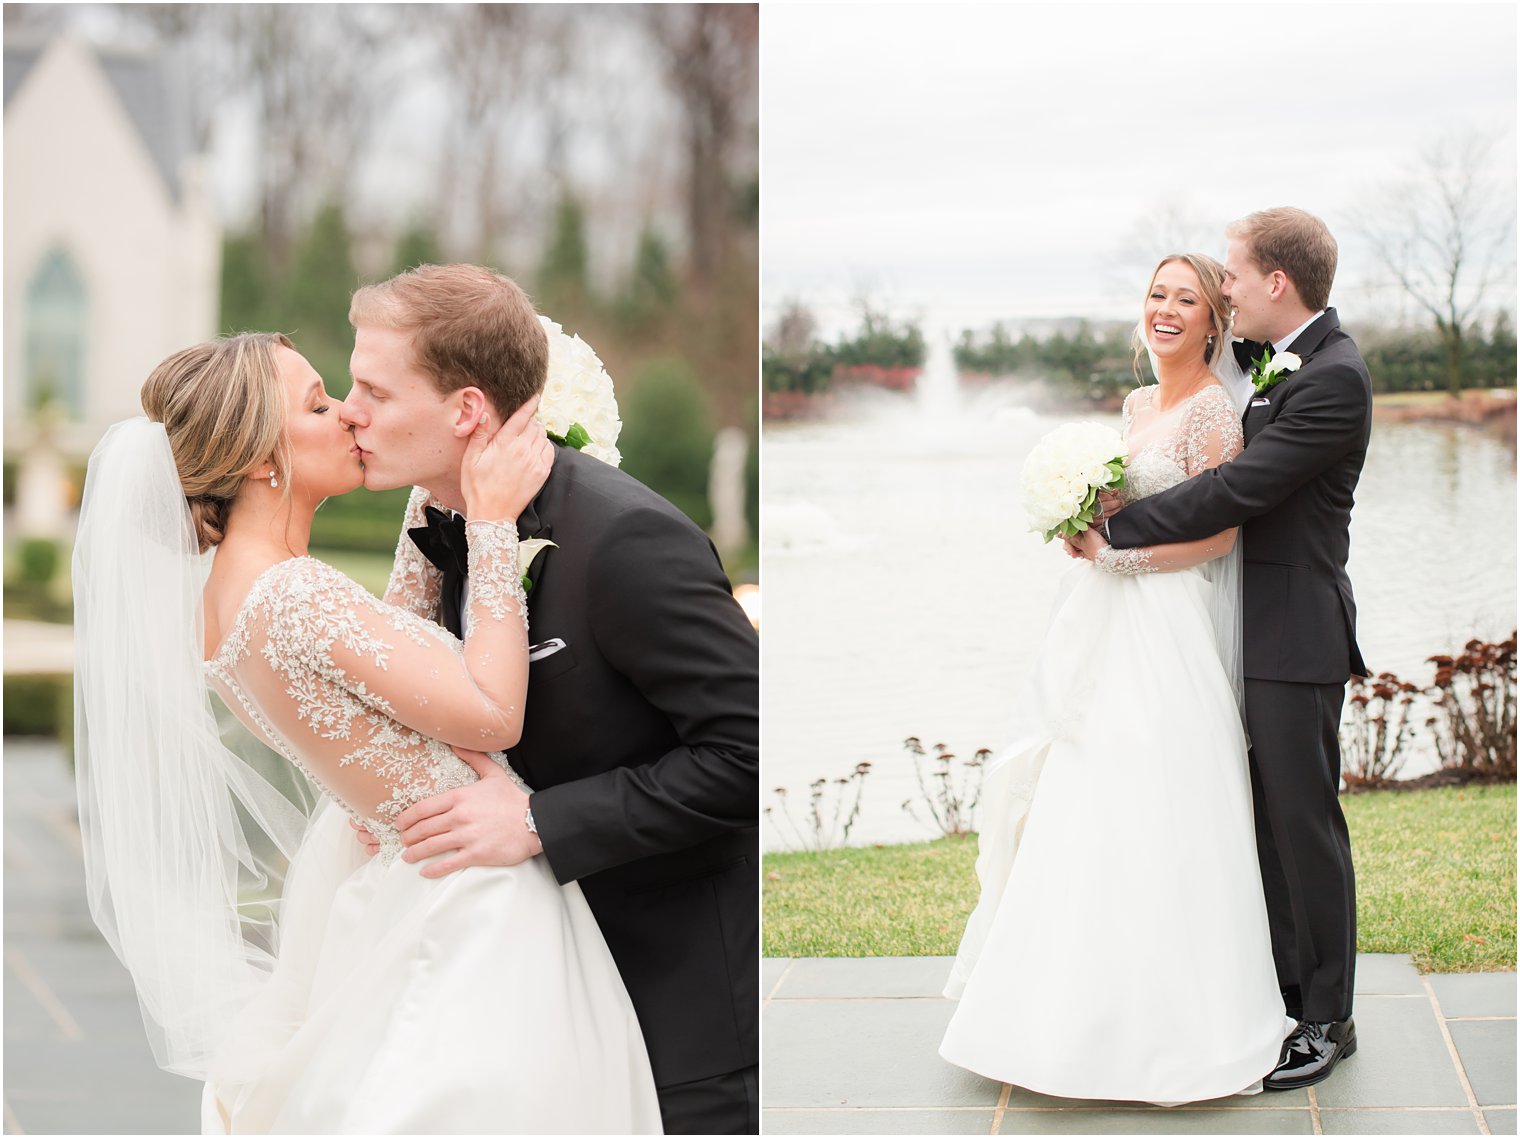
{"type": "Point", "coordinates": [904, 595]}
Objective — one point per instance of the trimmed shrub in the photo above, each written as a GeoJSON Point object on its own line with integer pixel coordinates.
{"type": "Point", "coordinates": [667, 439]}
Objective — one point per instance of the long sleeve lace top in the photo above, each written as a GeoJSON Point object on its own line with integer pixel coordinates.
{"type": "Point", "coordinates": [1167, 448]}
{"type": "Point", "coordinates": [366, 697]}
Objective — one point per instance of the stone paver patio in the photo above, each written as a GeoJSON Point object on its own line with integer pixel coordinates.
{"type": "Point", "coordinates": [76, 1058]}
{"type": "Point", "coordinates": [851, 1047]}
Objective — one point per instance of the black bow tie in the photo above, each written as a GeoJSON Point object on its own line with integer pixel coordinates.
{"type": "Point", "coordinates": [443, 541]}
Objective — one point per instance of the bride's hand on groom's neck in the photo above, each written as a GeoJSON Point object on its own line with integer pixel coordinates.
{"type": "Point", "coordinates": [505, 467]}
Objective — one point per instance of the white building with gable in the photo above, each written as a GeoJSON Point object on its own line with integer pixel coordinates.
{"type": "Point", "coordinates": [112, 253]}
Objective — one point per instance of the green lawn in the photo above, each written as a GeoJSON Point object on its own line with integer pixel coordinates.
{"type": "Point", "coordinates": [1435, 878]}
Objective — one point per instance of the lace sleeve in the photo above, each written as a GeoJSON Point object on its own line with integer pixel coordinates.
{"type": "Point", "coordinates": [1209, 435]}
{"type": "Point", "coordinates": [1211, 432]}
{"type": "Point", "coordinates": [416, 584]}
{"type": "Point", "coordinates": [1131, 405]}
{"type": "Point", "coordinates": [366, 697]}
{"type": "Point", "coordinates": [338, 648]}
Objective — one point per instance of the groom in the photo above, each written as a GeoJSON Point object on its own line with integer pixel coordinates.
{"type": "Point", "coordinates": [1291, 491]}
{"type": "Point", "coordinates": [641, 724]}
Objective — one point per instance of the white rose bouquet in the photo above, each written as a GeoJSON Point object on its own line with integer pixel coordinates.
{"type": "Point", "coordinates": [579, 408]}
{"type": "Point", "coordinates": [1065, 471]}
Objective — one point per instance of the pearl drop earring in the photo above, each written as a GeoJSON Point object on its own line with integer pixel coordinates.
{"type": "Point", "coordinates": [274, 483]}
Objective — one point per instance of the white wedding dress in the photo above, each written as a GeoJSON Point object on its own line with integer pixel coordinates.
{"type": "Point", "coordinates": [357, 996]}
{"type": "Point", "coordinates": [1120, 947]}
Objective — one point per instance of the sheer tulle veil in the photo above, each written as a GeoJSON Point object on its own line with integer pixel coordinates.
{"type": "Point", "coordinates": [185, 839]}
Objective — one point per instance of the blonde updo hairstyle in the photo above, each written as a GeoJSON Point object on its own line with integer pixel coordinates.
{"type": "Point", "coordinates": [222, 404]}
{"type": "Point", "coordinates": [1211, 281]}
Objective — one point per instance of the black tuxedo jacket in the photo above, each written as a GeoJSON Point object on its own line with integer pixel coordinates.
{"type": "Point", "coordinates": [641, 741]}
{"type": "Point", "coordinates": [1291, 492]}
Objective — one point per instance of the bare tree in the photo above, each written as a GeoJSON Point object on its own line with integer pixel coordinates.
{"type": "Point", "coordinates": [1175, 224]}
{"type": "Point", "coordinates": [793, 334]}
{"type": "Point", "coordinates": [485, 52]}
{"type": "Point", "coordinates": [202, 39]}
{"type": "Point", "coordinates": [1444, 234]}
{"type": "Point", "coordinates": [709, 55]}
{"type": "Point", "coordinates": [314, 74]}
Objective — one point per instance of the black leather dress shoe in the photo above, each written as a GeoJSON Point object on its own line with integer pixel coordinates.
{"type": "Point", "coordinates": [1311, 1053]}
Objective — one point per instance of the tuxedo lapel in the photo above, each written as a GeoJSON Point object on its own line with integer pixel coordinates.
{"type": "Point", "coordinates": [1309, 341]}
{"type": "Point", "coordinates": [534, 521]}
{"type": "Point", "coordinates": [1313, 338]}
{"type": "Point", "coordinates": [1247, 352]}
{"type": "Point", "coordinates": [529, 524]}
{"type": "Point", "coordinates": [535, 570]}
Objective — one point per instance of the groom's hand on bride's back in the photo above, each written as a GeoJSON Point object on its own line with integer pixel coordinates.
{"type": "Point", "coordinates": [479, 824]}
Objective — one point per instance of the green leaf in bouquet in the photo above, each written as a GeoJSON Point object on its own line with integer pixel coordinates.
{"type": "Point", "coordinates": [576, 437]}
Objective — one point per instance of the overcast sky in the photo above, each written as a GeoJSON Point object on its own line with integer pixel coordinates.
{"type": "Point", "coordinates": [979, 162]}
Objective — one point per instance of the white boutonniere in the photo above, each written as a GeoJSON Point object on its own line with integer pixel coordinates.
{"type": "Point", "coordinates": [527, 550]}
{"type": "Point", "coordinates": [1269, 371]}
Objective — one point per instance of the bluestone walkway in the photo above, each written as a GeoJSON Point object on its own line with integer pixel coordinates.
{"type": "Point", "coordinates": [850, 1046]}
{"type": "Point", "coordinates": [76, 1058]}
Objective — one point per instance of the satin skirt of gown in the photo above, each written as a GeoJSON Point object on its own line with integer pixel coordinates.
{"type": "Point", "coordinates": [481, 1002]}
{"type": "Point", "coordinates": [1120, 947]}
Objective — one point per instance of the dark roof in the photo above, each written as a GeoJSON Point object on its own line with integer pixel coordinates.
{"type": "Point", "coordinates": [147, 94]}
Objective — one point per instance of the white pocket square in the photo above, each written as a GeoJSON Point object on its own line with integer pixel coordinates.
{"type": "Point", "coordinates": [547, 648]}
{"type": "Point", "coordinates": [1262, 402]}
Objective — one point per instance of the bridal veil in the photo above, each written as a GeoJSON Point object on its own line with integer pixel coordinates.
{"type": "Point", "coordinates": [185, 838]}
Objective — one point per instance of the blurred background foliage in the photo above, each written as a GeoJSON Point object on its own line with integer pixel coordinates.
{"type": "Point", "coordinates": [668, 302]}
{"type": "Point", "coordinates": [604, 156]}
{"type": "Point", "coordinates": [1094, 360]}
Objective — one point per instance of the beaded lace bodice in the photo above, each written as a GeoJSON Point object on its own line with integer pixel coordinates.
{"type": "Point", "coordinates": [366, 697]}
{"type": "Point", "coordinates": [1165, 449]}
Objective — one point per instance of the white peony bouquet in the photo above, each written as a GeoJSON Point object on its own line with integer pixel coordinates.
{"type": "Point", "coordinates": [579, 408]}
{"type": "Point", "coordinates": [1065, 471]}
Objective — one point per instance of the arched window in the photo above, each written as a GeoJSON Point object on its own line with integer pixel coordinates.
{"type": "Point", "coordinates": [56, 320]}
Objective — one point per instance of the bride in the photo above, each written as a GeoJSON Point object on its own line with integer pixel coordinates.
{"type": "Point", "coordinates": [1120, 947]}
{"type": "Point", "coordinates": [231, 723]}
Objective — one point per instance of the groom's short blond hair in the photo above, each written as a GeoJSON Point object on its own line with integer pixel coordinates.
{"type": "Point", "coordinates": [471, 327]}
{"type": "Point", "coordinates": [1295, 242]}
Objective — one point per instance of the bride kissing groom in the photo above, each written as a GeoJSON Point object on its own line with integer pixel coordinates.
{"type": "Point", "coordinates": [576, 958]}
{"type": "Point", "coordinates": [640, 732]}
{"type": "Point", "coordinates": [1131, 940]}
